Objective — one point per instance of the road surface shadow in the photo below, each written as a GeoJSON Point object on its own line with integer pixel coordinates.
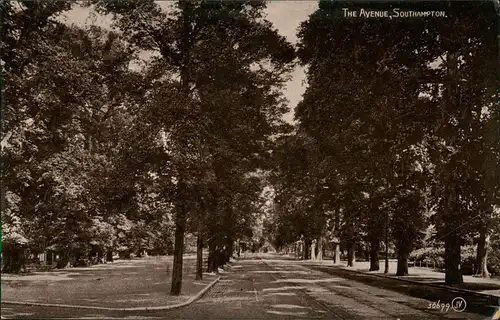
{"type": "Point", "coordinates": [479, 304]}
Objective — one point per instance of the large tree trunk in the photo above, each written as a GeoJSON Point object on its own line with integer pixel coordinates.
{"type": "Point", "coordinates": [180, 224]}
{"type": "Point", "coordinates": [402, 263]}
{"type": "Point", "coordinates": [374, 260]}
{"type": "Point", "coordinates": [452, 240]}
{"type": "Point", "coordinates": [50, 257]}
{"type": "Point", "coordinates": [218, 257]}
{"type": "Point", "coordinates": [199, 252]}
{"type": "Point", "coordinates": [228, 252]}
{"type": "Point", "coordinates": [76, 258]}
{"type": "Point", "coordinates": [180, 217]}
{"type": "Point", "coordinates": [230, 249]}
{"type": "Point", "coordinates": [351, 254]}
{"type": "Point", "coordinates": [452, 260]}
{"type": "Point", "coordinates": [451, 99]}
{"type": "Point", "coordinates": [109, 255]}
{"type": "Point", "coordinates": [225, 255]}
{"type": "Point", "coordinates": [306, 251]}
{"type": "Point", "coordinates": [213, 263]}
{"type": "Point", "coordinates": [320, 249]}
{"type": "Point", "coordinates": [482, 253]}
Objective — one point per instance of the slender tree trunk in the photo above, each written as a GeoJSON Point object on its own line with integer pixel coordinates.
{"type": "Point", "coordinates": [374, 260]}
{"type": "Point", "coordinates": [336, 232]}
{"type": "Point", "coordinates": [336, 253]}
{"type": "Point", "coordinates": [320, 249]}
{"type": "Point", "coordinates": [402, 263]}
{"type": "Point", "coordinates": [225, 255]}
{"type": "Point", "coordinates": [211, 253]}
{"type": "Point", "coordinates": [199, 252]}
{"type": "Point", "coordinates": [100, 255]}
{"type": "Point", "coordinates": [386, 265]}
{"type": "Point", "coordinates": [219, 258]}
{"type": "Point", "coordinates": [351, 254]}
{"type": "Point", "coordinates": [482, 253]}
{"type": "Point", "coordinates": [452, 260]}
{"type": "Point", "coordinates": [230, 249]}
{"type": "Point", "coordinates": [313, 250]}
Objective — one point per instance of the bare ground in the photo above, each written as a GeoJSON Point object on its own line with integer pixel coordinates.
{"type": "Point", "coordinates": [123, 284]}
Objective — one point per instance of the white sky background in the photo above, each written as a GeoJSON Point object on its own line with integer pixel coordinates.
{"type": "Point", "coordinates": [286, 16]}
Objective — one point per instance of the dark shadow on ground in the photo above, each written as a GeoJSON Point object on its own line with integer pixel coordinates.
{"type": "Point", "coordinates": [480, 304]}
{"type": "Point", "coordinates": [472, 286]}
{"type": "Point", "coordinates": [264, 257]}
{"type": "Point", "coordinates": [420, 279]}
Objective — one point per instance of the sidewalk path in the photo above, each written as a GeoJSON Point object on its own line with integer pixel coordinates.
{"type": "Point", "coordinates": [490, 286]}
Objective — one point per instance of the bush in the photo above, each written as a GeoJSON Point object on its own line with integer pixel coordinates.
{"type": "Point", "coordinates": [190, 243]}
{"type": "Point", "coordinates": [431, 255]}
{"type": "Point", "coordinates": [494, 255]}
{"type": "Point", "coordinates": [494, 263]}
{"type": "Point", "coordinates": [468, 255]}
{"type": "Point", "coordinates": [14, 257]}
{"type": "Point", "coordinates": [469, 261]}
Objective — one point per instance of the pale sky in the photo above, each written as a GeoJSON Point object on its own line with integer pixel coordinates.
{"type": "Point", "coordinates": [285, 15]}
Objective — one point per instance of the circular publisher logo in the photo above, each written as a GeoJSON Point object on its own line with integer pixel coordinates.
{"type": "Point", "coordinates": [458, 304]}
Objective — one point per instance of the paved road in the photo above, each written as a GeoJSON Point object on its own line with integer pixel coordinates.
{"type": "Point", "coordinates": [274, 289]}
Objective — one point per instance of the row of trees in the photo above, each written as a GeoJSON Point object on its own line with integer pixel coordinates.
{"type": "Point", "coordinates": [398, 132]}
{"type": "Point", "coordinates": [106, 150]}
